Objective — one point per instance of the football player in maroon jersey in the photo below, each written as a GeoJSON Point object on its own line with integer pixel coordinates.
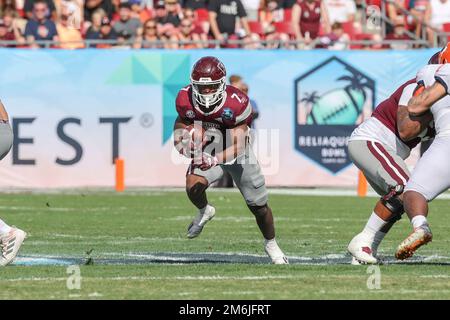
{"type": "Point", "coordinates": [225, 113]}
{"type": "Point", "coordinates": [378, 147]}
{"type": "Point", "coordinates": [11, 238]}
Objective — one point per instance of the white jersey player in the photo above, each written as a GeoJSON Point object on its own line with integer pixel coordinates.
{"type": "Point", "coordinates": [378, 147]}
{"type": "Point", "coordinates": [431, 176]}
{"type": "Point", "coordinates": [11, 238]}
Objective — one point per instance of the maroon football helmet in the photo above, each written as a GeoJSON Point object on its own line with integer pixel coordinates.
{"type": "Point", "coordinates": [208, 82]}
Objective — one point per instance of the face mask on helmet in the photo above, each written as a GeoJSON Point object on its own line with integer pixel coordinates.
{"type": "Point", "coordinates": [208, 94]}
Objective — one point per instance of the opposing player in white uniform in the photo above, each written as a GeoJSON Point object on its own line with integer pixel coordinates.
{"type": "Point", "coordinates": [431, 176]}
{"type": "Point", "coordinates": [11, 238]}
{"type": "Point", "coordinates": [378, 148]}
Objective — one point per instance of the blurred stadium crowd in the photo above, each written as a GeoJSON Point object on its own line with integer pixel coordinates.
{"type": "Point", "coordinates": [250, 24]}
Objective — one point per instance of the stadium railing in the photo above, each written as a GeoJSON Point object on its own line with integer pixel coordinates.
{"type": "Point", "coordinates": [439, 37]}
{"type": "Point", "coordinates": [232, 43]}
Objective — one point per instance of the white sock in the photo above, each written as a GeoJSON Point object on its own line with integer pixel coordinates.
{"type": "Point", "coordinates": [418, 221]}
{"type": "Point", "coordinates": [374, 225]}
{"type": "Point", "coordinates": [271, 242]}
{"type": "Point", "coordinates": [4, 228]}
{"type": "Point", "coordinates": [203, 210]}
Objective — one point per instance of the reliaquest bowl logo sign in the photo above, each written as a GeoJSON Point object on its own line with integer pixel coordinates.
{"type": "Point", "coordinates": [330, 101]}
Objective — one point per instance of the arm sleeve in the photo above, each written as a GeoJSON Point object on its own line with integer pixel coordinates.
{"type": "Point", "coordinates": [407, 93]}
{"type": "Point", "coordinates": [182, 106]}
{"type": "Point", "coordinates": [442, 76]}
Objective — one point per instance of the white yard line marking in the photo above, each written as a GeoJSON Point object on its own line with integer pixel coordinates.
{"type": "Point", "coordinates": [208, 278]}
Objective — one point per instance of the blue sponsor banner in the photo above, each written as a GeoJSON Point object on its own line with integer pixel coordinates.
{"type": "Point", "coordinates": [73, 111]}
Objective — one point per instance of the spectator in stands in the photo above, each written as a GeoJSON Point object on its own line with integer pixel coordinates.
{"type": "Point", "coordinates": [252, 8]}
{"type": "Point", "coordinates": [150, 39]}
{"type": "Point", "coordinates": [436, 15]}
{"type": "Point", "coordinates": [399, 36]}
{"type": "Point", "coordinates": [127, 27]}
{"type": "Point", "coordinates": [29, 7]}
{"type": "Point", "coordinates": [173, 13]}
{"type": "Point", "coordinates": [91, 5]}
{"type": "Point", "coordinates": [223, 15]}
{"type": "Point", "coordinates": [159, 10]}
{"type": "Point", "coordinates": [168, 24]}
{"type": "Point", "coordinates": [395, 10]}
{"type": "Point", "coordinates": [12, 27]}
{"type": "Point", "coordinates": [40, 27]}
{"type": "Point", "coordinates": [418, 9]}
{"type": "Point", "coordinates": [139, 11]}
{"type": "Point", "coordinates": [75, 9]}
{"type": "Point", "coordinates": [200, 26]}
{"type": "Point", "coordinates": [307, 17]}
{"type": "Point", "coordinates": [5, 34]}
{"type": "Point", "coordinates": [337, 39]}
{"type": "Point", "coordinates": [93, 31]}
{"type": "Point", "coordinates": [7, 4]}
{"type": "Point", "coordinates": [69, 34]}
{"type": "Point", "coordinates": [106, 32]}
{"type": "Point", "coordinates": [186, 32]}
{"type": "Point", "coordinates": [189, 13]}
{"type": "Point", "coordinates": [340, 10]}
{"type": "Point", "coordinates": [271, 11]}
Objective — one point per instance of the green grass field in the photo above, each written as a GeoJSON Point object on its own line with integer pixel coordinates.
{"type": "Point", "coordinates": [133, 246]}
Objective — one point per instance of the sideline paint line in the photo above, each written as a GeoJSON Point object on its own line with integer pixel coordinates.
{"type": "Point", "coordinates": [150, 191]}
{"type": "Point", "coordinates": [205, 258]}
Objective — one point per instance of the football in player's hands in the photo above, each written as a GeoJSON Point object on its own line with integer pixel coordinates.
{"type": "Point", "coordinates": [192, 141]}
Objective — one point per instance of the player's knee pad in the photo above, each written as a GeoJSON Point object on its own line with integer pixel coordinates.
{"type": "Point", "coordinates": [259, 211]}
{"type": "Point", "coordinates": [196, 190]}
{"type": "Point", "coordinates": [393, 203]}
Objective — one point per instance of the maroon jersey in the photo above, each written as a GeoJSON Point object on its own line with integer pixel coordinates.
{"type": "Point", "coordinates": [386, 113]}
{"type": "Point", "coordinates": [310, 18]}
{"type": "Point", "coordinates": [234, 110]}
